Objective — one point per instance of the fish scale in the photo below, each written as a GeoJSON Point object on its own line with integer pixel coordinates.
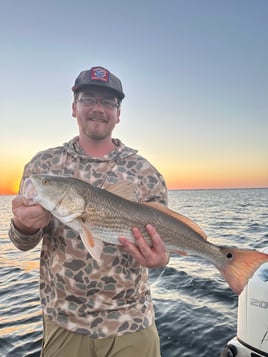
{"type": "Point", "coordinates": [133, 214]}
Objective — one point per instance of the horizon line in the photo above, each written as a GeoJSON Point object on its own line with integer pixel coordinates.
{"type": "Point", "coordinates": [188, 189]}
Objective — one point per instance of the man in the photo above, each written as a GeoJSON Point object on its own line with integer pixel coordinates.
{"type": "Point", "coordinates": [94, 309]}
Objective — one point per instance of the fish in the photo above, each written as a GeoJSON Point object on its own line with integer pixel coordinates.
{"type": "Point", "coordinates": [103, 215]}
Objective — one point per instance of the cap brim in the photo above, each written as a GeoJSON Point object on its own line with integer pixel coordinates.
{"type": "Point", "coordinates": [119, 94]}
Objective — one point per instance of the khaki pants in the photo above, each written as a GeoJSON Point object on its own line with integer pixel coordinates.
{"type": "Point", "coordinates": [59, 342]}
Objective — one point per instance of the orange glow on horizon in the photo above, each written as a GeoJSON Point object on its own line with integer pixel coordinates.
{"type": "Point", "coordinates": [187, 177]}
{"type": "Point", "coordinates": [10, 184]}
{"type": "Point", "coordinates": [10, 178]}
{"type": "Point", "coordinates": [207, 185]}
{"type": "Point", "coordinates": [206, 180]}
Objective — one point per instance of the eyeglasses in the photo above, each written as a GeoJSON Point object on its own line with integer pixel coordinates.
{"type": "Point", "coordinates": [91, 102]}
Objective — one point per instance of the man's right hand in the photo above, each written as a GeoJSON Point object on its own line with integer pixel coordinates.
{"type": "Point", "coordinates": [29, 219]}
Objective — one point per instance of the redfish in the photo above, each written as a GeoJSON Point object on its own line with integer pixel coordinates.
{"type": "Point", "coordinates": [100, 215]}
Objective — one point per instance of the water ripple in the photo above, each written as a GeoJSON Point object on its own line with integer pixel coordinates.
{"type": "Point", "coordinates": [195, 309]}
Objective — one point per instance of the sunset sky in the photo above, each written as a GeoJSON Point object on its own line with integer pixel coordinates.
{"type": "Point", "coordinates": [194, 72]}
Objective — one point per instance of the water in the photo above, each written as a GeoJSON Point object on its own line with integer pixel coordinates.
{"type": "Point", "coordinates": [196, 312]}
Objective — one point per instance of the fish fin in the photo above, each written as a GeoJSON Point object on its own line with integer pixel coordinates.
{"type": "Point", "coordinates": [93, 245]}
{"type": "Point", "coordinates": [96, 251]}
{"type": "Point", "coordinates": [178, 216]}
{"type": "Point", "coordinates": [123, 189]}
{"type": "Point", "coordinates": [241, 266]}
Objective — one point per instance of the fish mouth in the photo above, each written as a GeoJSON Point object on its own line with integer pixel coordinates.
{"type": "Point", "coordinates": [29, 193]}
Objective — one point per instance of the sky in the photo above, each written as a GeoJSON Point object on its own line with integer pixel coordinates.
{"type": "Point", "coordinates": [194, 72]}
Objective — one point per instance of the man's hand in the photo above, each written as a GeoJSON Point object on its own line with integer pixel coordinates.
{"type": "Point", "coordinates": [29, 219]}
{"type": "Point", "coordinates": [155, 256]}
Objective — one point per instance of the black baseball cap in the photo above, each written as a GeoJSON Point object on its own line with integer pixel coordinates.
{"type": "Point", "coordinates": [101, 77]}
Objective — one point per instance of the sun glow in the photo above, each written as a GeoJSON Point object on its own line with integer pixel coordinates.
{"type": "Point", "coordinates": [10, 178]}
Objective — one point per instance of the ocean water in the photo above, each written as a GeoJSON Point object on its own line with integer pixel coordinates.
{"type": "Point", "coordinates": [196, 312]}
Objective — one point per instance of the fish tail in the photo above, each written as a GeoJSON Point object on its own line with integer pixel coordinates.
{"type": "Point", "coordinates": [241, 265]}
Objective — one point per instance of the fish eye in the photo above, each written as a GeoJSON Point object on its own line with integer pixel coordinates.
{"type": "Point", "coordinates": [229, 255]}
{"type": "Point", "coordinates": [44, 181]}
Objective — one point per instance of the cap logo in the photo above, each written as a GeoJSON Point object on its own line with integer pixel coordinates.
{"type": "Point", "coordinates": [99, 74]}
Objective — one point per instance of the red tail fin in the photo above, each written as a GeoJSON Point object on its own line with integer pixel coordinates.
{"type": "Point", "coordinates": [241, 265]}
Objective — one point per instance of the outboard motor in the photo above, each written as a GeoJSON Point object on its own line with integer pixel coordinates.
{"type": "Point", "coordinates": [252, 323]}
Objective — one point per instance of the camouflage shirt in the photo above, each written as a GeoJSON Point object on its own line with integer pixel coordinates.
{"type": "Point", "coordinates": [96, 299]}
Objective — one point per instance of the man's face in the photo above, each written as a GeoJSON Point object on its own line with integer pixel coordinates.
{"type": "Point", "coordinates": [97, 112]}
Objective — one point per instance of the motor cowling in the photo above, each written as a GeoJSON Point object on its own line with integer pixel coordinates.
{"type": "Point", "coordinates": [252, 319]}
{"type": "Point", "coordinates": [252, 323]}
